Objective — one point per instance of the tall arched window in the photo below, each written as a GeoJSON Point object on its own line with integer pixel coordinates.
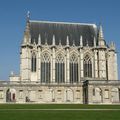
{"type": "Point", "coordinates": [33, 63]}
{"type": "Point", "coordinates": [73, 69]}
{"type": "Point", "coordinates": [59, 69]}
{"type": "Point", "coordinates": [45, 68]}
{"type": "Point", "coordinates": [87, 67]}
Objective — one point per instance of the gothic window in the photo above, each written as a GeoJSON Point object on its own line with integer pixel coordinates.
{"type": "Point", "coordinates": [73, 69]}
{"type": "Point", "coordinates": [59, 69]}
{"type": "Point", "coordinates": [45, 68]}
{"type": "Point", "coordinates": [33, 63]}
{"type": "Point", "coordinates": [87, 67]}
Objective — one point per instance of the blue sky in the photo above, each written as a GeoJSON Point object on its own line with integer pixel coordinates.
{"type": "Point", "coordinates": [13, 18]}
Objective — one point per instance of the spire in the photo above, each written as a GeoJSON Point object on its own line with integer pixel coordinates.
{"type": "Point", "coordinates": [81, 41]}
{"type": "Point", "coordinates": [29, 40]}
{"type": "Point", "coordinates": [27, 36]}
{"type": "Point", "coordinates": [67, 41]}
{"type": "Point", "coordinates": [101, 36]}
{"type": "Point", "coordinates": [101, 41]}
{"type": "Point", "coordinates": [53, 40]}
{"type": "Point", "coordinates": [39, 40]}
{"type": "Point", "coordinates": [24, 40]}
{"type": "Point", "coordinates": [27, 21]}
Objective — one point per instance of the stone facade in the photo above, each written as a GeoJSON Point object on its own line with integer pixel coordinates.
{"type": "Point", "coordinates": [102, 92]}
{"type": "Point", "coordinates": [64, 63]}
{"type": "Point", "coordinates": [37, 93]}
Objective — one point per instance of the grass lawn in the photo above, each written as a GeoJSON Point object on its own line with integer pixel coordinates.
{"type": "Point", "coordinates": [6, 112]}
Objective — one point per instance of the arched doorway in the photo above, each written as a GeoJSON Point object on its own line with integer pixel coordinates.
{"type": "Point", "coordinates": [11, 95]}
{"type": "Point", "coordinates": [8, 96]}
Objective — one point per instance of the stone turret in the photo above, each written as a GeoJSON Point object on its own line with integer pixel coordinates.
{"type": "Point", "coordinates": [112, 62]}
{"type": "Point", "coordinates": [25, 52]}
{"type": "Point", "coordinates": [102, 54]}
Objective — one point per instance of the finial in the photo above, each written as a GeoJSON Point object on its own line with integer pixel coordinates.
{"type": "Point", "coordinates": [53, 40]}
{"type": "Point", "coordinates": [81, 41]}
{"type": "Point", "coordinates": [112, 45]}
{"type": "Point", "coordinates": [67, 41]}
{"type": "Point", "coordinates": [45, 41]}
{"type": "Point", "coordinates": [27, 29]}
{"type": "Point", "coordinates": [60, 42]}
{"type": "Point", "coordinates": [34, 42]}
{"type": "Point", "coordinates": [39, 40]}
{"type": "Point", "coordinates": [73, 43]}
{"type": "Point", "coordinates": [87, 43]}
{"type": "Point", "coordinates": [94, 41]}
{"type": "Point", "coordinates": [11, 73]}
{"type": "Point", "coordinates": [28, 15]}
{"type": "Point", "coordinates": [45, 38]}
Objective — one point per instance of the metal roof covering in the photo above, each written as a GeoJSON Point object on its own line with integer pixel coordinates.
{"type": "Point", "coordinates": [61, 30]}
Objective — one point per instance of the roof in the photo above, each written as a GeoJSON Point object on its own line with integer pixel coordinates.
{"type": "Point", "coordinates": [61, 30]}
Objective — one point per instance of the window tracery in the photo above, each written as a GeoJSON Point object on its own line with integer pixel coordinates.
{"type": "Point", "coordinates": [87, 67]}
{"type": "Point", "coordinates": [73, 68]}
{"type": "Point", "coordinates": [59, 69]}
{"type": "Point", "coordinates": [33, 63]}
{"type": "Point", "coordinates": [45, 68]}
